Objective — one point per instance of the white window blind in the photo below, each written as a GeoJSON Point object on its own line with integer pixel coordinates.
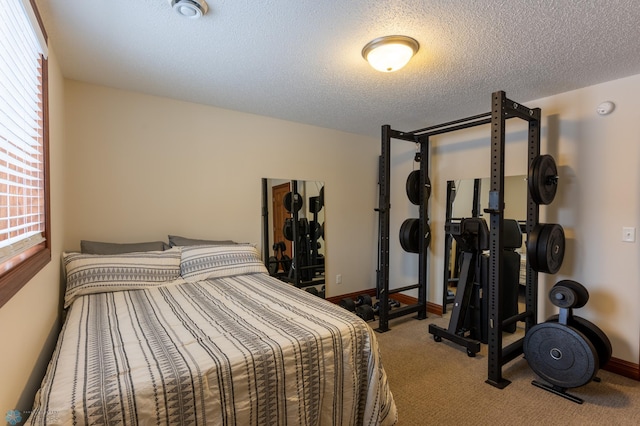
{"type": "Point", "coordinates": [22, 205]}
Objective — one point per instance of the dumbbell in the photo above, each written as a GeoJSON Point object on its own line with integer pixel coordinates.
{"type": "Point", "coordinates": [312, 290]}
{"type": "Point", "coordinates": [392, 304]}
{"type": "Point", "coordinates": [351, 305]}
{"type": "Point", "coordinates": [365, 312]}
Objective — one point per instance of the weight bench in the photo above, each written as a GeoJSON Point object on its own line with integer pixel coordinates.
{"type": "Point", "coordinates": [468, 325]}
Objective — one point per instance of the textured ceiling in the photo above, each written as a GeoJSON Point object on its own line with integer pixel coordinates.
{"type": "Point", "coordinates": [300, 60]}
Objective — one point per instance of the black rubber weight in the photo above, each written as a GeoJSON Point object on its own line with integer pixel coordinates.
{"type": "Point", "coordinates": [543, 179]}
{"type": "Point", "coordinates": [597, 337]}
{"type": "Point", "coordinates": [410, 235]}
{"type": "Point", "coordinates": [561, 355]}
{"type": "Point", "coordinates": [569, 294]}
{"type": "Point", "coordinates": [545, 248]}
{"type": "Point", "coordinates": [413, 187]}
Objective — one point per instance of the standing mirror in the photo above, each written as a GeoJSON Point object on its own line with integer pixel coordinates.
{"type": "Point", "coordinates": [293, 241]}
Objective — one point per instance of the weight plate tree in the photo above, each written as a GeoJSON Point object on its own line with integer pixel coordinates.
{"type": "Point", "coordinates": [566, 351]}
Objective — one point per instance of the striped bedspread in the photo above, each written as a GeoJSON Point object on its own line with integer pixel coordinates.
{"type": "Point", "coordinates": [240, 350]}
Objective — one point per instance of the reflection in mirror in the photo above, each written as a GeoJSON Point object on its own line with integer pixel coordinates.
{"type": "Point", "coordinates": [294, 254]}
{"type": "Point", "coordinates": [467, 198]}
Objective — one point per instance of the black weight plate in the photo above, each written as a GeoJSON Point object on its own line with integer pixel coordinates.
{"type": "Point", "coordinates": [413, 187]}
{"type": "Point", "coordinates": [315, 230]}
{"type": "Point", "coordinates": [597, 337]}
{"type": "Point", "coordinates": [551, 252]}
{"type": "Point", "coordinates": [410, 235]}
{"type": "Point", "coordinates": [543, 179]}
{"type": "Point", "coordinates": [581, 294]}
{"type": "Point", "coordinates": [314, 204]}
{"type": "Point", "coordinates": [289, 198]}
{"type": "Point", "coordinates": [563, 297]}
{"type": "Point", "coordinates": [545, 248]}
{"type": "Point", "coordinates": [561, 355]}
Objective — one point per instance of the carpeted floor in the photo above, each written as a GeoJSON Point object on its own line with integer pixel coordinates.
{"type": "Point", "coordinates": [436, 383]}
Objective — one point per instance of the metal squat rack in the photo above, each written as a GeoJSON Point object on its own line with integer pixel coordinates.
{"type": "Point", "coordinates": [502, 109]}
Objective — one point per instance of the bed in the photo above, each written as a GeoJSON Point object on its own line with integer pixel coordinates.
{"type": "Point", "coordinates": [203, 335]}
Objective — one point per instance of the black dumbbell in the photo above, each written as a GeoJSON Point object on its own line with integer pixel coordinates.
{"type": "Point", "coordinates": [365, 312]}
{"type": "Point", "coordinates": [363, 299]}
{"type": "Point", "coordinates": [348, 304]}
{"type": "Point", "coordinates": [392, 304]}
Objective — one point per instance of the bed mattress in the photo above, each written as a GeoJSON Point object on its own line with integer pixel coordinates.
{"type": "Point", "coordinates": [239, 350]}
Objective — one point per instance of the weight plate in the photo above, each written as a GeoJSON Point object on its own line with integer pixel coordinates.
{"type": "Point", "coordinates": [545, 248]}
{"type": "Point", "coordinates": [597, 337]}
{"type": "Point", "coordinates": [543, 179]}
{"type": "Point", "coordinates": [563, 297]}
{"type": "Point", "coordinates": [289, 198]}
{"type": "Point", "coordinates": [413, 187]}
{"type": "Point", "coordinates": [315, 230]}
{"type": "Point", "coordinates": [561, 355]}
{"type": "Point", "coordinates": [580, 293]}
{"type": "Point", "coordinates": [410, 235]}
{"type": "Point", "coordinates": [314, 204]}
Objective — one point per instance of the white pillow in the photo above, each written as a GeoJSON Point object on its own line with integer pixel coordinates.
{"type": "Point", "coordinates": [96, 273]}
{"type": "Point", "coordinates": [202, 262]}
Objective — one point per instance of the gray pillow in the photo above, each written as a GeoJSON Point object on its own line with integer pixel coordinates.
{"type": "Point", "coordinates": [175, 240]}
{"type": "Point", "coordinates": [96, 247]}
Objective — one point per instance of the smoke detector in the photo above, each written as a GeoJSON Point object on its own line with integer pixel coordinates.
{"type": "Point", "coordinates": [192, 9]}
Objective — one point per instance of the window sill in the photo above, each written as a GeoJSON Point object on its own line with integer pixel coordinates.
{"type": "Point", "coordinates": [18, 275]}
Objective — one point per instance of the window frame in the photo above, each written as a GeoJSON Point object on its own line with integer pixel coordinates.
{"type": "Point", "coordinates": [19, 270]}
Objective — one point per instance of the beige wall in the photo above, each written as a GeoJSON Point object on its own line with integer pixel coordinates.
{"type": "Point", "coordinates": [29, 321]}
{"type": "Point", "coordinates": [141, 167]}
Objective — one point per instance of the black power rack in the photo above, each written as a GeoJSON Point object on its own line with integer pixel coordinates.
{"type": "Point", "coordinates": [502, 109]}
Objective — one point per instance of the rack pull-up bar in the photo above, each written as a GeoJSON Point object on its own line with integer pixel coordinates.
{"type": "Point", "coordinates": [450, 126]}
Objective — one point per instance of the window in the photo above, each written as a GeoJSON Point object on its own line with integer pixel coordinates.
{"type": "Point", "coordinates": [24, 200]}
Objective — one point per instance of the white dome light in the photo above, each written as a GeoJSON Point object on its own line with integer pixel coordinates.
{"type": "Point", "coordinates": [390, 53]}
{"type": "Point", "coordinates": [192, 9]}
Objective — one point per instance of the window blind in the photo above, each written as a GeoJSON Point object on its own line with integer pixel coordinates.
{"type": "Point", "coordinates": [22, 205]}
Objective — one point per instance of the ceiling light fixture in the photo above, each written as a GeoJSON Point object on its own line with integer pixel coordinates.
{"type": "Point", "coordinates": [390, 53]}
{"type": "Point", "coordinates": [192, 9]}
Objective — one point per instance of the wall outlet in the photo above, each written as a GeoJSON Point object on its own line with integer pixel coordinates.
{"type": "Point", "coordinates": [629, 234]}
{"type": "Point", "coordinates": [339, 279]}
